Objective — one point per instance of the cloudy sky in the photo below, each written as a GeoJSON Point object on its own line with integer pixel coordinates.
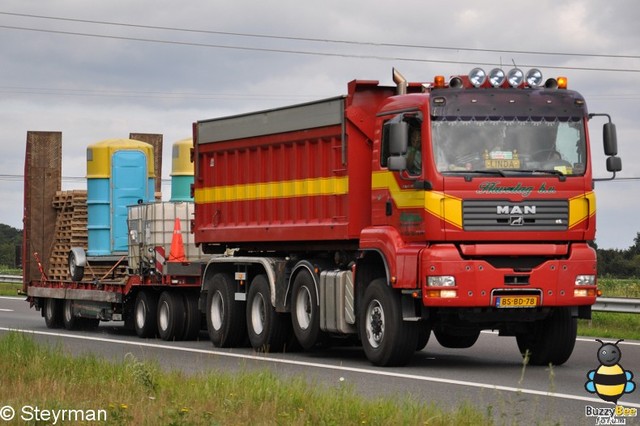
{"type": "Point", "coordinates": [100, 70]}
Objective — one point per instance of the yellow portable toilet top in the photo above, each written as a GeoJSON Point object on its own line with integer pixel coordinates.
{"type": "Point", "coordinates": [100, 153]}
{"type": "Point", "coordinates": [181, 164]}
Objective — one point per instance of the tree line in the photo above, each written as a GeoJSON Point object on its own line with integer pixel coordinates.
{"type": "Point", "coordinates": [612, 263]}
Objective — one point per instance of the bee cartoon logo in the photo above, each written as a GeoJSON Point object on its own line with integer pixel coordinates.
{"type": "Point", "coordinates": [609, 381]}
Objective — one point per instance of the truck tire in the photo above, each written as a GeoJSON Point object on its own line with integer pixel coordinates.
{"type": "Point", "coordinates": [268, 331]}
{"type": "Point", "coordinates": [226, 319]}
{"type": "Point", "coordinates": [52, 313]}
{"type": "Point", "coordinates": [551, 340]}
{"type": "Point", "coordinates": [70, 322]}
{"type": "Point", "coordinates": [387, 340]}
{"type": "Point", "coordinates": [305, 311]}
{"type": "Point", "coordinates": [171, 316]}
{"type": "Point", "coordinates": [192, 317]}
{"type": "Point", "coordinates": [144, 314]}
{"type": "Point", "coordinates": [456, 341]}
{"type": "Point", "coordinates": [76, 272]}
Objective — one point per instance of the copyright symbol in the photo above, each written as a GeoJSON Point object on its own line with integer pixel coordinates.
{"type": "Point", "coordinates": [7, 413]}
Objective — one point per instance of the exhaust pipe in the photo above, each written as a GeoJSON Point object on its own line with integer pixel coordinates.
{"type": "Point", "coordinates": [400, 81]}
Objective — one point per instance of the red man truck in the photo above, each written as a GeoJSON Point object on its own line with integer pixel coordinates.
{"type": "Point", "coordinates": [450, 207]}
{"type": "Point", "coordinates": [453, 206]}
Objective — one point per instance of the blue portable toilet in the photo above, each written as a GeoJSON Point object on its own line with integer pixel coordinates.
{"type": "Point", "coordinates": [120, 173]}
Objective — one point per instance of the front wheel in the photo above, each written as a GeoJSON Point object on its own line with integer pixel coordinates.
{"type": "Point", "coordinates": [268, 331]}
{"type": "Point", "coordinates": [551, 340]}
{"type": "Point", "coordinates": [387, 340]}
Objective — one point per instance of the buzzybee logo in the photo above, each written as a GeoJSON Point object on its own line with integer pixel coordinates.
{"type": "Point", "coordinates": [609, 381]}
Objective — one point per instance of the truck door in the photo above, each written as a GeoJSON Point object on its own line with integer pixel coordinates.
{"type": "Point", "coordinates": [398, 198]}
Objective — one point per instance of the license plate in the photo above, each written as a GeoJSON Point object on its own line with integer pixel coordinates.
{"type": "Point", "coordinates": [516, 301]}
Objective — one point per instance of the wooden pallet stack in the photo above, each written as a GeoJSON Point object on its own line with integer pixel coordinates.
{"type": "Point", "coordinates": [71, 231]}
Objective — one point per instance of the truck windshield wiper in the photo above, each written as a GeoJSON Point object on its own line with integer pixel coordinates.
{"type": "Point", "coordinates": [558, 173]}
{"type": "Point", "coordinates": [468, 173]}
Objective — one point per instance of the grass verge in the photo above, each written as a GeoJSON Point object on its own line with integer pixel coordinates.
{"type": "Point", "coordinates": [135, 392]}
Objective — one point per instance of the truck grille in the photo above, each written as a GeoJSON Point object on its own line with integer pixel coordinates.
{"type": "Point", "coordinates": [502, 215]}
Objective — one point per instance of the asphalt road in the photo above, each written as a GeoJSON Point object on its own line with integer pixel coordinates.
{"type": "Point", "coordinates": [488, 375]}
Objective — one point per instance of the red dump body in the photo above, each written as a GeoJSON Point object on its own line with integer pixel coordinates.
{"type": "Point", "coordinates": [300, 173]}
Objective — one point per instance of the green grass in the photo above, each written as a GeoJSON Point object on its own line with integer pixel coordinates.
{"type": "Point", "coordinates": [9, 289]}
{"type": "Point", "coordinates": [134, 392]}
{"type": "Point", "coordinates": [616, 287]}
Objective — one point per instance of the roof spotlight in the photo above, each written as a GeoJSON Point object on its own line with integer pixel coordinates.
{"type": "Point", "coordinates": [477, 77]}
{"type": "Point", "coordinates": [534, 77]}
{"type": "Point", "coordinates": [515, 77]}
{"type": "Point", "coordinates": [496, 77]}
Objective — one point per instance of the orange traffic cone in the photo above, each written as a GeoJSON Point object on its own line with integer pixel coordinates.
{"type": "Point", "coordinates": [176, 254]}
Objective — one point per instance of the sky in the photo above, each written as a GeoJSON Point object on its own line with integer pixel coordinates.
{"type": "Point", "coordinates": [101, 70]}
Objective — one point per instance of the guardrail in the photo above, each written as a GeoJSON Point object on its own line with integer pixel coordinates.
{"type": "Point", "coordinates": [617, 304]}
{"type": "Point", "coordinates": [10, 279]}
{"type": "Point", "coordinates": [603, 304]}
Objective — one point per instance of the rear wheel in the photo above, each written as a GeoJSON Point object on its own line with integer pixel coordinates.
{"type": "Point", "coordinates": [387, 340]}
{"type": "Point", "coordinates": [192, 317]}
{"type": "Point", "coordinates": [268, 331]}
{"type": "Point", "coordinates": [144, 314]}
{"type": "Point", "coordinates": [52, 312]}
{"type": "Point", "coordinates": [305, 311]}
{"type": "Point", "coordinates": [226, 320]}
{"type": "Point", "coordinates": [551, 340]}
{"type": "Point", "coordinates": [70, 322]}
{"type": "Point", "coordinates": [171, 316]}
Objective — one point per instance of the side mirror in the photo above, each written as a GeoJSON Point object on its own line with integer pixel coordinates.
{"type": "Point", "coordinates": [398, 137]}
{"type": "Point", "coordinates": [397, 163]}
{"type": "Point", "coordinates": [610, 139]}
{"type": "Point", "coordinates": [614, 164]}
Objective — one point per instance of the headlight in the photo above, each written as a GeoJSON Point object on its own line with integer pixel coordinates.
{"type": "Point", "coordinates": [515, 77]}
{"type": "Point", "coordinates": [534, 77]}
{"type": "Point", "coordinates": [496, 77]}
{"type": "Point", "coordinates": [441, 281]}
{"type": "Point", "coordinates": [585, 280]}
{"type": "Point", "coordinates": [477, 77]}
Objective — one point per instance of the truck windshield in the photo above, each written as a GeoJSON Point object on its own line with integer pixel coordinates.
{"type": "Point", "coordinates": [530, 145]}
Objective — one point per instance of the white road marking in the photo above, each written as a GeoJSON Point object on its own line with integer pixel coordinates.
{"type": "Point", "coordinates": [6, 310]}
{"type": "Point", "coordinates": [327, 367]}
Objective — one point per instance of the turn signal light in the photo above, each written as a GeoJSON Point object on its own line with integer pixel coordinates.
{"type": "Point", "coordinates": [562, 82]}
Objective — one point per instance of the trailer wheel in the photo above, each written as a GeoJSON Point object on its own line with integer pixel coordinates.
{"type": "Point", "coordinates": [387, 340]}
{"type": "Point", "coordinates": [226, 320]}
{"type": "Point", "coordinates": [551, 340]}
{"type": "Point", "coordinates": [144, 314]}
{"type": "Point", "coordinates": [171, 316]}
{"type": "Point", "coordinates": [192, 317]}
{"type": "Point", "coordinates": [305, 311]}
{"type": "Point", "coordinates": [69, 320]}
{"type": "Point", "coordinates": [52, 313]}
{"type": "Point", "coordinates": [268, 331]}
{"type": "Point", "coordinates": [456, 341]}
